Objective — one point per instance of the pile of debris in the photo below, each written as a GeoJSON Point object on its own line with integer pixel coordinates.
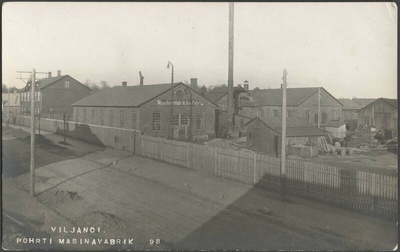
{"type": "Point", "coordinates": [363, 140]}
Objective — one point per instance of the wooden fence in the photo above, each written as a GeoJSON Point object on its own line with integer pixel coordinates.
{"type": "Point", "coordinates": [360, 190]}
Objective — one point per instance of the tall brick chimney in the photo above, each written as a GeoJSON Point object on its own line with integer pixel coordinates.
{"type": "Point", "coordinates": [124, 84]}
{"type": "Point", "coordinates": [58, 72]}
{"type": "Point", "coordinates": [246, 85]}
{"type": "Point", "coordinates": [49, 75]}
{"type": "Point", "coordinates": [193, 82]}
{"type": "Point", "coordinates": [141, 78]}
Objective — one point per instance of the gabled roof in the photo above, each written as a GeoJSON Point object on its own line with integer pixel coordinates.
{"type": "Point", "coordinates": [349, 104]}
{"type": "Point", "coordinates": [214, 96]}
{"type": "Point", "coordinates": [363, 101]}
{"type": "Point", "coordinates": [217, 93]}
{"type": "Point", "coordinates": [45, 82]}
{"type": "Point", "coordinates": [48, 81]}
{"type": "Point", "coordinates": [131, 96]}
{"type": "Point", "coordinates": [295, 126]}
{"type": "Point", "coordinates": [273, 97]}
{"type": "Point", "coordinates": [392, 102]}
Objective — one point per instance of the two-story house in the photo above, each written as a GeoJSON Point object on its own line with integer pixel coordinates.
{"type": "Point", "coordinates": [54, 96]}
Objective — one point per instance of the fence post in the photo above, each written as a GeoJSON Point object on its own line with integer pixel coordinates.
{"type": "Point", "coordinates": [215, 161]}
{"type": "Point", "coordinates": [306, 178]}
{"type": "Point", "coordinates": [187, 156]}
{"type": "Point", "coordinates": [373, 192]}
{"type": "Point", "coordinates": [161, 149]}
{"type": "Point", "coordinates": [255, 167]}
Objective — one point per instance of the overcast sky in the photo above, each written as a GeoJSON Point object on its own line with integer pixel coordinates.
{"type": "Point", "coordinates": [350, 49]}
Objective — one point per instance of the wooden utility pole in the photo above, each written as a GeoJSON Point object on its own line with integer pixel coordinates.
{"type": "Point", "coordinates": [230, 69]}
{"type": "Point", "coordinates": [32, 168]}
{"type": "Point", "coordinates": [8, 109]}
{"type": "Point", "coordinates": [283, 151]}
{"type": "Point", "coordinates": [32, 97]}
{"type": "Point", "coordinates": [172, 100]}
{"type": "Point", "coordinates": [319, 108]}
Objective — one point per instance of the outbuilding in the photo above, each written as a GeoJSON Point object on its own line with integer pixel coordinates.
{"type": "Point", "coordinates": [264, 133]}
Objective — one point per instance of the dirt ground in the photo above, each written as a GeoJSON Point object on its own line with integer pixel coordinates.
{"type": "Point", "coordinates": [16, 150]}
{"type": "Point", "coordinates": [130, 196]}
{"type": "Point", "coordinates": [383, 162]}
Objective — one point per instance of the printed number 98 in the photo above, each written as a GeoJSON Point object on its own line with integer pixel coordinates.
{"type": "Point", "coordinates": [155, 241]}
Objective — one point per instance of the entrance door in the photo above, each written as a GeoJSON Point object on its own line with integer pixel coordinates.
{"type": "Point", "coordinates": [276, 145]}
{"type": "Point", "coordinates": [257, 139]}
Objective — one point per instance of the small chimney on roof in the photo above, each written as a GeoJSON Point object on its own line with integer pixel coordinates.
{"type": "Point", "coordinates": [49, 75]}
{"type": "Point", "coordinates": [240, 85]}
{"type": "Point", "coordinates": [141, 78]}
{"type": "Point", "coordinates": [193, 82]}
{"type": "Point", "coordinates": [58, 72]}
{"type": "Point", "coordinates": [124, 83]}
{"type": "Point", "coordinates": [246, 85]}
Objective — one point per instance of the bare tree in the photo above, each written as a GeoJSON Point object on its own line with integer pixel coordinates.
{"type": "Point", "coordinates": [104, 84]}
{"type": "Point", "coordinates": [4, 88]}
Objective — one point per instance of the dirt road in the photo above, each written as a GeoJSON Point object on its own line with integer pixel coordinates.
{"type": "Point", "coordinates": [16, 150]}
{"type": "Point", "coordinates": [147, 201]}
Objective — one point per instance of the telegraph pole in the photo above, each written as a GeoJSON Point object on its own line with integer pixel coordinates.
{"type": "Point", "coordinates": [283, 151]}
{"type": "Point", "coordinates": [230, 69]}
{"type": "Point", "coordinates": [32, 173]}
{"type": "Point", "coordinates": [8, 110]}
{"type": "Point", "coordinates": [319, 108]}
{"type": "Point", "coordinates": [172, 99]}
{"type": "Point", "coordinates": [32, 163]}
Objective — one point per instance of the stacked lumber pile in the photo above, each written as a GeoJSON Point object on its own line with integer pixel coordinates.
{"type": "Point", "coordinates": [322, 144]}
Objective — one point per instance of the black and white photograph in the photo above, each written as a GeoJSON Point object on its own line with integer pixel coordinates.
{"type": "Point", "coordinates": [199, 126]}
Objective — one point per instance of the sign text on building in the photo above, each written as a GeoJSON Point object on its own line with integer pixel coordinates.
{"type": "Point", "coordinates": [180, 102]}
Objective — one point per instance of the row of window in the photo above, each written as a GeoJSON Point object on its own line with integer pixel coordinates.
{"type": "Point", "coordinates": [179, 119]}
{"type": "Point", "coordinates": [290, 113]}
{"type": "Point", "coordinates": [26, 96]}
{"type": "Point", "coordinates": [111, 118]}
{"type": "Point", "coordinates": [27, 110]}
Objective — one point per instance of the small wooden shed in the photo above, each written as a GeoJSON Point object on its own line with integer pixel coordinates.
{"type": "Point", "coordinates": [264, 133]}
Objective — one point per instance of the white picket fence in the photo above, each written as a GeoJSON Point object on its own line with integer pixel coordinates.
{"type": "Point", "coordinates": [361, 190]}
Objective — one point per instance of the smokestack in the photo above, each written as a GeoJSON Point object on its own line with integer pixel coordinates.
{"type": "Point", "coordinates": [246, 85]}
{"type": "Point", "coordinates": [230, 105]}
{"type": "Point", "coordinates": [49, 75]}
{"type": "Point", "coordinates": [58, 72]}
{"type": "Point", "coordinates": [124, 83]}
{"type": "Point", "coordinates": [141, 78]}
{"type": "Point", "coordinates": [193, 82]}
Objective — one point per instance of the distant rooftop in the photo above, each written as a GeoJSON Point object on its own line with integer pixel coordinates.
{"type": "Point", "coordinates": [273, 97]}
{"type": "Point", "coordinates": [349, 104]}
{"type": "Point", "coordinates": [295, 126]}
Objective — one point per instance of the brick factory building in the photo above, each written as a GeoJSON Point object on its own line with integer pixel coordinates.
{"type": "Point", "coordinates": [148, 108]}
